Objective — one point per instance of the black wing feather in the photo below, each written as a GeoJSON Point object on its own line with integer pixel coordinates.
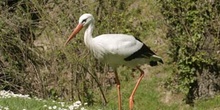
{"type": "Point", "coordinates": [143, 52]}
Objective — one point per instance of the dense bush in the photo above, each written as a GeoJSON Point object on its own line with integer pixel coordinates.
{"type": "Point", "coordinates": [195, 43]}
{"type": "Point", "coordinates": [18, 54]}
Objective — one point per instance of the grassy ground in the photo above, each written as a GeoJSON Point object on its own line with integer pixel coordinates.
{"type": "Point", "coordinates": [21, 104]}
{"type": "Point", "coordinates": [16, 103]}
{"type": "Point", "coordinates": [151, 95]}
{"type": "Point", "coordinates": [148, 97]}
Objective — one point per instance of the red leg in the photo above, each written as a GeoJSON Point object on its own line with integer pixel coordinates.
{"type": "Point", "coordinates": [118, 90]}
{"type": "Point", "coordinates": [131, 99]}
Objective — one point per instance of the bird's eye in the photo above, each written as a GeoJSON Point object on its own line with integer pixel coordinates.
{"type": "Point", "coordinates": [84, 21]}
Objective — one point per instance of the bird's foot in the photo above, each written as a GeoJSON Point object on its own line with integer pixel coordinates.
{"type": "Point", "coordinates": [131, 103]}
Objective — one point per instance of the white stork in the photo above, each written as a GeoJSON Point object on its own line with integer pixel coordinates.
{"type": "Point", "coordinates": [116, 50]}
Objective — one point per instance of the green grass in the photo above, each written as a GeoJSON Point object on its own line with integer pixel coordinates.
{"type": "Point", "coordinates": [208, 104]}
{"type": "Point", "coordinates": [16, 103]}
{"type": "Point", "coordinates": [21, 103]}
{"type": "Point", "coordinates": [148, 96]}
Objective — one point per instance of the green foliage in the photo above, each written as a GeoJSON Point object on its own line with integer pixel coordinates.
{"type": "Point", "coordinates": [195, 38]}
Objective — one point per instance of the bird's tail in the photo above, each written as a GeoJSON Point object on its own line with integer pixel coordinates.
{"type": "Point", "coordinates": [154, 59]}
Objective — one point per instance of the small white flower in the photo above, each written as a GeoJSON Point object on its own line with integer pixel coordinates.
{"type": "Point", "coordinates": [83, 108]}
{"type": "Point", "coordinates": [78, 103]}
{"type": "Point", "coordinates": [6, 108]}
{"type": "Point", "coordinates": [50, 107]}
{"type": "Point", "coordinates": [9, 94]}
{"type": "Point", "coordinates": [71, 107]}
{"type": "Point", "coordinates": [54, 107]}
{"type": "Point", "coordinates": [62, 104]}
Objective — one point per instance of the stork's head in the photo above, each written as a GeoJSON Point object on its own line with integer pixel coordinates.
{"type": "Point", "coordinates": [84, 21]}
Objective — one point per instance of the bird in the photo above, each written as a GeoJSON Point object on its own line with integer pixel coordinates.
{"type": "Point", "coordinates": [116, 50]}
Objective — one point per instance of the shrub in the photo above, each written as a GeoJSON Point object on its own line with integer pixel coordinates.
{"type": "Point", "coordinates": [195, 38]}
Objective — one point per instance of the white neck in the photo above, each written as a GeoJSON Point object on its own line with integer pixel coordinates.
{"type": "Point", "coordinates": [89, 42]}
{"type": "Point", "coordinates": [88, 35]}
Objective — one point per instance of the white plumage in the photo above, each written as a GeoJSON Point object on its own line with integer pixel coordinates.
{"type": "Point", "coordinates": [113, 48]}
{"type": "Point", "coordinates": [116, 50]}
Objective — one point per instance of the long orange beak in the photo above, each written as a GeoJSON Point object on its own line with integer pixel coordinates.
{"type": "Point", "coordinates": [73, 34]}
